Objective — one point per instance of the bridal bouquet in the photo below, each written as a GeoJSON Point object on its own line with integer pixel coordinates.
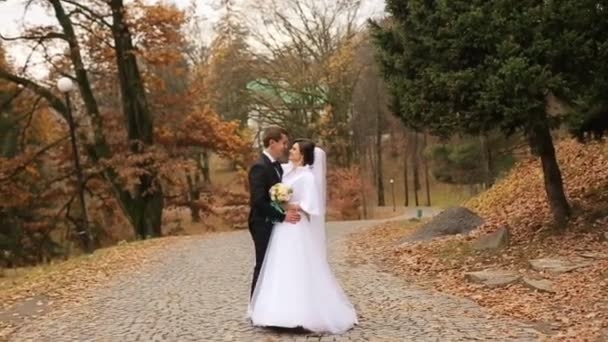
{"type": "Point", "coordinates": [280, 194]}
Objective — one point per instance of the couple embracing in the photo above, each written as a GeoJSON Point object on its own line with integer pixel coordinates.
{"type": "Point", "coordinates": [293, 285]}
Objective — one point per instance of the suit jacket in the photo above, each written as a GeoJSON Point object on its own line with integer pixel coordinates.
{"type": "Point", "coordinates": [262, 176]}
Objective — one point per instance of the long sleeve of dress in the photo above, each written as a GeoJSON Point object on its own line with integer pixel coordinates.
{"type": "Point", "coordinates": [309, 202]}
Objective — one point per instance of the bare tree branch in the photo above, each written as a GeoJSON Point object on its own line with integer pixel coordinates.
{"type": "Point", "coordinates": [94, 34]}
{"type": "Point", "coordinates": [89, 13]}
{"type": "Point", "coordinates": [35, 156]}
{"type": "Point", "coordinates": [55, 102]}
{"type": "Point", "coordinates": [6, 104]}
{"type": "Point", "coordinates": [49, 59]}
{"type": "Point", "coordinates": [82, 77]}
{"type": "Point", "coordinates": [36, 37]}
{"type": "Point", "coordinates": [29, 116]}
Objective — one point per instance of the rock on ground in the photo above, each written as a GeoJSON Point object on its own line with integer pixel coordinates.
{"type": "Point", "coordinates": [542, 285]}
{"type": "Point", "coordinates": [557, 265]}
{"type": "Point", "coordinates": [452, 221]}
{"type": "Point", "coordinates": [493, 278]}
{"type": "Point", "coordinates": [493, 241]}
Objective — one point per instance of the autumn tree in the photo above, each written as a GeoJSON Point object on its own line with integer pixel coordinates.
{"type": "Point", "coordinates": [230, 67]}
{"type": "Point", "coordinates": [7, 96]}
{"type": "Point", "coordinates": [369, 118]}
{"type": "Point", "coordinates": [307, 68]}
{"type": "Point", "coordinates": [142, 205]}
{"type": "Point", "coordinates": [30, 146]}
{"type": "Point", "coordinates": [183, 91]}
{"type": "Point", "coordinates": [119, 117]}
{"type": "Point", "coordinates": [189, 128]}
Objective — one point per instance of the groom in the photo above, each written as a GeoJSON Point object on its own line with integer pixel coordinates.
{"type": "Point", "coordinates": [263, 174]}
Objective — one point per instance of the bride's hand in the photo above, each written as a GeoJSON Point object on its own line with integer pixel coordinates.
{"type": "Point", "coordinates": [293, 206]}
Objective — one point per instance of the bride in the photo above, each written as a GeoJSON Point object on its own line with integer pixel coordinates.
{"type": "Point", "coordinates": [296, 287]}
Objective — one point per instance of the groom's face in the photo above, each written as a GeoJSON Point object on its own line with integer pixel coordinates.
{"type": "Point", "coordinates": [278, 149]}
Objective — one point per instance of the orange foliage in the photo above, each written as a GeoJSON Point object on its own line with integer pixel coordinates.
{"type": "Point", "coordinates": [158, 32]}
{"type": "Point", "coordinates": [205, 129]}
{"type": "Point", "coordinates": [334, 132]}
{"type": "Point", "coordinates": [345, 190]}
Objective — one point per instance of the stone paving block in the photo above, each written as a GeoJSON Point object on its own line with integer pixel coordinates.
{"type": "Point", "coordinates": [200, 291]}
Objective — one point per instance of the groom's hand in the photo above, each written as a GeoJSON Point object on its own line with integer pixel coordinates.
{"type": "Point", "coordinates": [292, 217]}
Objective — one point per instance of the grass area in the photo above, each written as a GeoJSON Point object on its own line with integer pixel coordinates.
{"type": "Point", "coordinates": [383, 212]}
{"type": "Point", "coordinates": [442, 195]}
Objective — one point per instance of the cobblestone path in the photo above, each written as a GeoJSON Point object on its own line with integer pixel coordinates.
{"type": "Point", "coordinates": [199, 291]}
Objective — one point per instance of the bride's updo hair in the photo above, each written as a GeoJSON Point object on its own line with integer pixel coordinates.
{"type": "Point", "coordinates": [307, 149]}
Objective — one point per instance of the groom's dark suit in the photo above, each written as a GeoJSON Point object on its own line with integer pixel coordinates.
{"type": "Point", "coordinates": [263, 174]}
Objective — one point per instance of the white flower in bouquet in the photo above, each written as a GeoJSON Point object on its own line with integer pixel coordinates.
{"type": "Point", "coordinates": [280, 193]}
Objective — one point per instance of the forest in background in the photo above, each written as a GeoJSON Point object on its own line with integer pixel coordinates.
{"type": "Point", "coordinates": [157, 102]}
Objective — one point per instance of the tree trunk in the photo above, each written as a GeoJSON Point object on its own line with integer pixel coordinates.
{"type": "Point", "coordinates": [148, 201]}
{"type": "Point", "coordinates": [9, 137]}
{"type": "Point", "coordinates": [205, 165]}
{"type": "Point", "coordinates": [364, 201]}
{"type": "Point", "coordinates": [416, 168]}
{"type": "Point", "coordinates": [370, 146]}
{"type": "Point", "coordinates": [142, 210]}
{"type": "Point", "coordinates": [405, 183]}
{"type": "Point", "coordinates": [145, 212]}
{"type": "Point", "coordinates": [426, 174]}
{"type": "Point", "coordinates": [379, 175]}
{"type": "Point", "coordinates": [194, 195]}
{"type": "Point", "coordinates": [84, 85]}
{"type": "Point", "coordinates": [541, 143]}
{"type": "Point", "coordinates": [357, 146]}
{"type": "Point", "coordinates": [405, 167]}
{"type": "Point", "coordinates": [487, 160]}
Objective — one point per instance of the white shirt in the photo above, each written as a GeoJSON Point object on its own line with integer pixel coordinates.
{"type": "Point", "coordinates": [272, 160]}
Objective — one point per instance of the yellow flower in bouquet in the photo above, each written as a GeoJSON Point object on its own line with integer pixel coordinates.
{"type": "Point", "coordinates": [280, 193]}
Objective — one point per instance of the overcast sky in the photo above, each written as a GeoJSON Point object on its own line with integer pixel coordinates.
{"type": "Point", "coordinates": [12, 17]}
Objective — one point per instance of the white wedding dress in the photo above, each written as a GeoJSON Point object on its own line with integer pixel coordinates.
{"type": "Point", "coordinates": [296, 287]}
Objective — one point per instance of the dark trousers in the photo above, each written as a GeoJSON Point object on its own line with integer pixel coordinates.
{"type": "Point", "coordinates": [260, 234]}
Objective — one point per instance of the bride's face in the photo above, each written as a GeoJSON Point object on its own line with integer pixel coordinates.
{"type": "Point", "coordinates": [295, 156]}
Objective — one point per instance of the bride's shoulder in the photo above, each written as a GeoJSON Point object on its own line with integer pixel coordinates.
{"type": "Point", "coordinates": [286, 166]}
{"type": "Point", "coordinates": [307, 172]}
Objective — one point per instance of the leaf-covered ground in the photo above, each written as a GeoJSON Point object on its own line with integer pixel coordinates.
{"type": "Point", "coordinates": [70, 281]}
{"type": "Point", "coordinates": [578, 310]}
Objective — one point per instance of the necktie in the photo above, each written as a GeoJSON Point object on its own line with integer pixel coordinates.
{"type": "Point", "coordinates": [277, 168]}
